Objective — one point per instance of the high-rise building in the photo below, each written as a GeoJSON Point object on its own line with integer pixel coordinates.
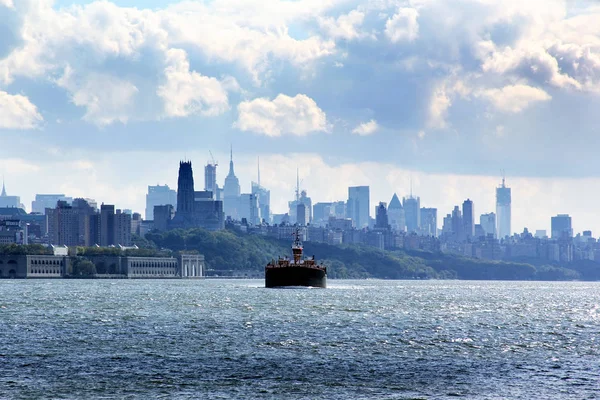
{"type": "Point", "coordinates": [468, 214]}
{"type": "Point", "coordinates": [358, 206]}
{"type": "Point", "coordinates": [122, 233]}
{"type": "Point", "coordinates": [163, 216]}
{"type": "Point", "coordinates": [457, 224]}
{"type": "Point", "coordinates": [396, 214]}
{"type": "Point", "coordinates": [210, 179]}
{"type": "Point", "coordinates": [301, 214]}
{"type": "Point", "coordinates": [488, 224]}
{"type": "Point", "coordinates": [9, 201]}
{"type": "Point", "coordinates": [63, 224]}
{"type": "Point", "coordinates": [429, 221]}
{"type": "Point", "coordinates": [43, 201]}
{"type": "Point", "coordinates": [159, 196]}
{"type": "Point", "coordinates": [561, 227]}
{"type": "Point", "coordinates": [107, 225]}
{"type": "Point", "coordinates": [231, 192]}
{"type": "Point", "coordinates": [381, 217]}
{"type": "Point", "coordinates": [249, 209]}
{"type": "Point", "coordinates": [321, 213]}
{"type": "Point", "coordinates": [264, 198]}
{"type": "Point", "coordinates": [412, 213]}
{"type": "Point", "coordinates": [503, 210]}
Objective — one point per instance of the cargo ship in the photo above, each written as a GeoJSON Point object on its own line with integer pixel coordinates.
{"type": "Point", "coordinates": [298, 272]}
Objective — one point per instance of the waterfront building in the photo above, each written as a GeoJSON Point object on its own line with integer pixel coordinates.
{"type": "Point", "coordinates": [396, 214]}
{"type": "Point", "coordinates": [488, 224]}
{"type": "Point", "coordinates": [412, 213]}
{"type": "Point", "coordinates": [231, 192]}
{"type": "Point", "coordinates": [561, 227]}
{"type": "Point", "coordinates": [468, 215]}
{"type": "Point", "coordinates": [358, 206]}
{"type": "Point", "coordinates": [503, 210]}
{"type": "Point", "coordinates": [43, 201]}
{"type": "Point", "coordinates": [159, 196]}
{"type": "Point", "coordinates": [429, 221]}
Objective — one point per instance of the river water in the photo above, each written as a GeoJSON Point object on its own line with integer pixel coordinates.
{"type": "Point", "coordinates": [222, 339]}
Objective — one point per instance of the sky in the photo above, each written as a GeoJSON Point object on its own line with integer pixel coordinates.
{"type": "Point", "coordinates": [102, 98]}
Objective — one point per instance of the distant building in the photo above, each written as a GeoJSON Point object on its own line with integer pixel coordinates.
{"type": "Point", "coordinates": [231, 192]}
{"type": "Point", "coordinates": [468, 215]}
{"type": "Point", "coordinates": [429, 221]}
{"type": "Point", "coordinates": [9, 201]}
{"type": "Point", "coordinates": [541, 234]}
{"type": "Point", "coordinates": [107, 225]}
{"type": "Point", "coordinates": [412, 213]}
{"type": "Point", "coordinates": [561, 226]}
{"type": "Point", "coordinates": [43, 201]}
{"type": "Point", "coordinates": [396, 214]}
{"type": "Point", "coordinates": [503, 210]}
{"type": "Point", "coordinates": [301, 214]}
{"type": "Point", "coordinates": [159, 196]}
{"type": "Point", "coordinates": [249, 209]}
{"type": "Point", "coordinates": [264, 198]}
{"type": "Point", "coordinates": [163, 216]}
{"type": "Point", "coordinates": [210, 179]}
{"type": "Point", "coordinates": [358, 206]}
{"type": "Point", "coordinates": [488, 224]}
{"type": "Point", "coordinates": [195, 209]}
{"type": "Point", "coordinates": [457, 225]}
{"type": "Point", "coordinates": [381, 217]}
{"type": "Point", "coordinates": [122, 228]}
{"type": "Point", "coordinates": [321, 213]}
{"type": "Point", "coordinates": [136, 221]}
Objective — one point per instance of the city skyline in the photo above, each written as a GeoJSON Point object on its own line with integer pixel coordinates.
{"type": "Point", "coordinates": [100, 99]}
{"type": "Point", "coordinates": [286, 192]}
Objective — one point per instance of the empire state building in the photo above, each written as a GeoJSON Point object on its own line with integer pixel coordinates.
{"type": "Point", "coordinates": [231, 192]}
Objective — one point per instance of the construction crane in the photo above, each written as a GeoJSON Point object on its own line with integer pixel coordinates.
{"type": "Point", "coordinates": [213, 159]}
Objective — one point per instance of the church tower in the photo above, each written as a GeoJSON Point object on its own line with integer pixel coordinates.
{"type": "Point", "coordinates": [185, 189]}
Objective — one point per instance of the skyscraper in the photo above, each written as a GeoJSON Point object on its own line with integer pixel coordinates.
{"type": "Point", "coordinates": [412, 213]}
{"type": "Point", "coordinates": [561, 226]}
{"type": "Point", "coordinates": [396, 214]}
{"type": "Point", "coordinates": [231, 192]}
{"type": "Point", "coordinates": [210, 179]}
{"type": "Point", "coordinates": [381, 217]}
{"type": "Point", "coordinates": [159, 196]}
{"type": "Point", "coordinates": [43, 201]}
{"type": "Point", "coordinates": [488, 223]}
{"type": "Point", "coordinates": [358, 206]}
{"type": "Point", "coordinates": [503, 206]}
{"type": "Point", "coordinates": [429, 221]}
{"type": "Point", "coordinates": [468, 213]}
{"type": "Point", "coordinates": [264, 198]}
{"type": "Point", "coordinates": [458, 226]}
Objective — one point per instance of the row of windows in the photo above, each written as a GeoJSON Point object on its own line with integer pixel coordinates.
{"type": "Point", "coordinates": [46, 271]}
{"type": "Point", "coordinates": [147, 271]}
{"type": "Point", "coordinates": [152, 264]}
{"type": "Point", "coordinates": [46, 262]}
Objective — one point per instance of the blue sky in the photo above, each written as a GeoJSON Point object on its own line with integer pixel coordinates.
{"type": "Point", "coordinates": [99, 99]}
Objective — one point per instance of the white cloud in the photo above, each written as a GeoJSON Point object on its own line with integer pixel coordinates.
{"type": "Point", "coordinates": [187, 92]}
{"type": "Point", "coordinates": [366, 128]}
{"type": "Point", "coordinates": [7, 3]}
{"type": "Point", "coordinates": [17, 112]}
{"type": "Point", "coordinates": [438, 108]}
{"type": "Point", "coordinates": [298, 115]}
{"type": "Point", "coordinates": [345, 27]}
{"type": "Point", "coordinates": [515, 98]}
{"type": "Point", "coordinates": [107, 98]}
{"type": "Point", "coordinates": [403, 26]}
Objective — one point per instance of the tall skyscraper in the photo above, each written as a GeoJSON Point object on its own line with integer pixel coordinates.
{"type": "Point", "coordinates": [396, 214]}
{"type": "Point", "coordinates": [429, 221]}
{"type": "Point", "coordinates": [9, 201]}
{"type": "Point", "coordinates": [185, 189]}
{"type": "Point", "coordinates": [231, 192]}
{"type": "Point", "coordinates": [43, 201]}
{"type": "Point", "coordinates": [488, 223]}
{"type": "Point", "coordinates": [412, 213]}
{"type": "Point", "coordinates": [468, 213]}
{"type": "Point", "coordinates": [264, 198]}
{"type": "Point", "coordinates": [358, 206]}
{"type": "Point", "coordinates": [561, 226]}
{"type": "Point", "coordinates": [503, 207]}
{"type": "Point", "coordinates": [210, 179]}
{"type": "Point", "coordinates": [458, 232]}
{"type": "Point", "coordinates": [381, 217]}
{"type": "Point", "coordinates": [107, 225]}
{"type": "Point", "coordinates": [159, 196]}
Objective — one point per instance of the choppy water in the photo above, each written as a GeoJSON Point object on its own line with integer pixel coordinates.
{"type": "Point", "coordinates": [356, 340]}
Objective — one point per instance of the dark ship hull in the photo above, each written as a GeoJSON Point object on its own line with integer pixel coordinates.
{"type": "Point", "coordinates": [295, 276]}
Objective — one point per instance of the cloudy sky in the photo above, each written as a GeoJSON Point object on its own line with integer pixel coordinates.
{"type": "Point", "coordinates": [102, 98]}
